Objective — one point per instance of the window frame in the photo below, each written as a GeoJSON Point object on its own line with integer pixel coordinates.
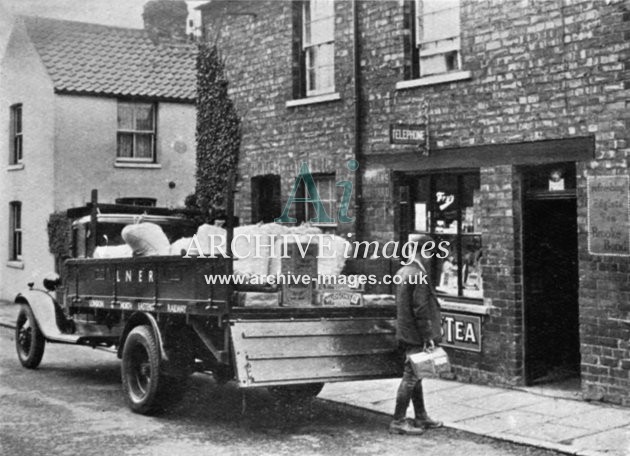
{"type": "Point", "coordinates": [136, 132]}
{"type": "Point", "coordinates": [16, 135]}
{"type": "Point", "coordinates": [329, 204]}
{"type": "Point", "coordinates": [423, 48]}
{"type": "Point", "coordinates": [306, 46]}
{"type": "Point", "coordinates": [458, 236]}
{"type": "Point", "coordinates": [304, 211]}
{"type": "Point", "coordinates": [15, 231]}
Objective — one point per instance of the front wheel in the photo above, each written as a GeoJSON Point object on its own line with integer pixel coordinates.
{"type": "Point", "coordinates": [29, 340]}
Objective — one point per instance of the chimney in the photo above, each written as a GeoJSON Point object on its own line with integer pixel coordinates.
{"type": "Point", "coordinates": [165, 20]}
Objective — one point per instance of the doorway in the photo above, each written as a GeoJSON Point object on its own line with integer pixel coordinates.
{"type": "Point", "coordinates": [266, 204]}
{"type": "Point", "coordinates": [550, 267]}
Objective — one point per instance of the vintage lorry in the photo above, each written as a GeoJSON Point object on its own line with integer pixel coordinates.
{"type": "Point", "coordinates": [165, 321]}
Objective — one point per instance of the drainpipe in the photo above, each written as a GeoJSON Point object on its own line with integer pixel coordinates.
{"type": "Point", "coordinates": [358, 140]}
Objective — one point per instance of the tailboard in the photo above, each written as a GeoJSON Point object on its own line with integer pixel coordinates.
{"type": "Point", "coordinates": [280, 352]}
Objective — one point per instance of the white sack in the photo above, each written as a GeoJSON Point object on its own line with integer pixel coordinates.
{"type": "Point", "coordinates": [246, 239]}
{"type": "Point", "coordinates": [305, 228]}
{"type": "Point", "coordinates": [113, 251]}
{"type": "Point", "coordinates": [146, 239]}
{"type": "Point", "coordinates": [278, 229]}
{"type": "Point", "coordinates": [204, 232]}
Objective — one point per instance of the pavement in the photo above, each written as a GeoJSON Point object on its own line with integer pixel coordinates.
{"type": "Point", "coordinates": [537, 416]}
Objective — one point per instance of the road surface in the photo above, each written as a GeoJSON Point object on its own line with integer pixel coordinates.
{"type": "Point", "coordinates": [73, 405]}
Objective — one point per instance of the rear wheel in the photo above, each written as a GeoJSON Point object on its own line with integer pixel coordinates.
{"type": "Point", "coordinates": [292, 393]}
{"type": "Point", "coordinates": [146, 388]}
{"type": "Point", "coordinates": [29, 340]}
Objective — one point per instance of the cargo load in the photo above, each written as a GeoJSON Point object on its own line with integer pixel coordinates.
{"type": "Point", "coordinates": [113, 251]}
{"type": "Point", "coordinates": [146, 239]}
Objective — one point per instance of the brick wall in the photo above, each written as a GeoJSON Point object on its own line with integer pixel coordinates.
{"type": "Point", "coordinates": [539, 70]}
{"type": "Point", "coordinates": [276, 139]}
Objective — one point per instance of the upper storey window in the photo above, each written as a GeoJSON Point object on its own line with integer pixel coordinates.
{"type": "Point", "coordinates": [313, 70]}
{"type": "Point", "coordinates": [136, 132]}
{"type": "Point", "coordinates": [15, 134]}
{"type": "Point", "coordinates": [437, 24]}
{"type": "Point", "coordinates": [318, 45]}
{"type": "Point", "coordinates": [432, 43]}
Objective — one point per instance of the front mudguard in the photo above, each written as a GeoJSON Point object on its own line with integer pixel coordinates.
{"type": "Point", "coordinates": [46, 315]}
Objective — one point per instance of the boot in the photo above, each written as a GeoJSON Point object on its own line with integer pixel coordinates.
{"type": "Point", "coordinates": [404, 427]}
{"type": "Point", "coordinates": [425, 422]}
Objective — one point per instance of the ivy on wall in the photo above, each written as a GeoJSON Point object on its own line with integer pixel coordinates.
{"type": "Point", "coordinates": [60, 236]}
{"type": "Point", "coordinates": [218, 135]}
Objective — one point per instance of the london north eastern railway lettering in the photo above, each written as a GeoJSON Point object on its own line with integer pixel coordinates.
{"type": "Point", "coordinates": [135, 275]}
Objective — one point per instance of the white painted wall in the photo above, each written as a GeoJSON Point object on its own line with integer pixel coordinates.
{"type": "Point", "coordinates": [193, 22]}
{"type": "Point", "coordinates": [23, 79]}
{"type": "Point", "coordinates": [85, 154]}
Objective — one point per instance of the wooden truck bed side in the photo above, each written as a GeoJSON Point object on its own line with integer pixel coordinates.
{"type": "Point", "coordinates": [266, 346]}
{"type": "Point", "coordinates": [150, 284]}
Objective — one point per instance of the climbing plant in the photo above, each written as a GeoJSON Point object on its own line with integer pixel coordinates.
{"type": "Point", "coordinates": [59, 236]}
{"type": "Point", "coordinates": [218, 134]}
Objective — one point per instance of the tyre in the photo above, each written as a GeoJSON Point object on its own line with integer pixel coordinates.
{"type": "Point", "coordinates": [143, 383]}
{"type": "Point", "coordinates": [29, 340]}
{"type": "Point", "coordinates": [296, 393]}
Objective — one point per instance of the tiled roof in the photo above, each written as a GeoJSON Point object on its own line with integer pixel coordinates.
{"type": "Point", "coordinates": [96, 59]}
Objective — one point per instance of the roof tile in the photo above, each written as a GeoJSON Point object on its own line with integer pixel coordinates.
{"type": "Point", "coordinates": [103, 60]}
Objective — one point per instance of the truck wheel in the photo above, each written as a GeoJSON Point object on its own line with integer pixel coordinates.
{"type": "Point", "coordinates": [142, 380]}
{"type": "Point", "coordinates": [293, 393]}
{"type": "Point", "coordinates": [29, 340]}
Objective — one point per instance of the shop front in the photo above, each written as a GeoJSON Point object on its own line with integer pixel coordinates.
{"type": "Point", "coordinates": [508, 282]}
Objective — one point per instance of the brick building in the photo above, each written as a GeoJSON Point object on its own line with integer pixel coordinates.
{"type": "Point", "coordinates": [499, 126]}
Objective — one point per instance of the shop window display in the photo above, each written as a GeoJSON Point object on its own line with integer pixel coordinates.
{"type": "Point", "coordinates": [447, 208]}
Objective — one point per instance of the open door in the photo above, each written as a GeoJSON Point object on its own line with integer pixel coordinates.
{"type": "Point", "coordinates": [550, 260]}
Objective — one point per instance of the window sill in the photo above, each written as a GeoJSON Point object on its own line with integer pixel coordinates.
{"type": "Point", "coordinates": [15, 167]}
{"type": "Point", "coordinates": [435, 79]}
{"type": "Point", "coordinates": [15, 264]}
{"type": "Point", "coordinates": [137, 165]}
{"type": "Point", "coordinates": [313, 100]}
{"type": "Point", "coordinates": [478, 309]}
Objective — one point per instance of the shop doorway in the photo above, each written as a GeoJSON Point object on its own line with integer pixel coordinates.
{"type": "Point", "coordinates": [550, 267]}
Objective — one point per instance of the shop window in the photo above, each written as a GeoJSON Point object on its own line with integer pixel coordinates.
{"type": "Point", "coordinates": [435, 37]}
{"type": "Point", "coordinates": [136, 132]}
{"type": "Point", "coordinates": [314, 49]}
{"type": "Point", "coordinates": [266, 203]}
{"type": "Point", "coordinates": [15, 231]}
{"type": "Point", "coordinates": [446, 207]}
{"type": "Point", "coordinates": [16, 135]}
